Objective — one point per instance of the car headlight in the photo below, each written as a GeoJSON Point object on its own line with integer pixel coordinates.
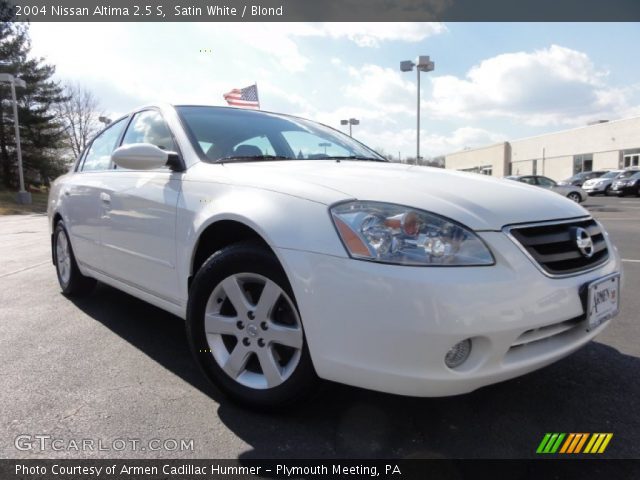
{"type": "Point", "coordinates": [389, 233]}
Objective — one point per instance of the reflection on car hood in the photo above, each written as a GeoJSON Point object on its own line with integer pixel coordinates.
{"type": "Point", "coordinates": [480, 202]}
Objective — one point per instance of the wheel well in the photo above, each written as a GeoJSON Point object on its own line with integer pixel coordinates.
{"type": "Point", "coordinates": [56, 218]}
{"type": "Point", "coordinates": [219, 235]}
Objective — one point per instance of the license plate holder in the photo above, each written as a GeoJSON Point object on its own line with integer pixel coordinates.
{"type": "Point", "coordinates": [603, 300]}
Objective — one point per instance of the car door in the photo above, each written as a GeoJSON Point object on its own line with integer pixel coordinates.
{"type": "Point", "coordinates": [139, 235]}
{"type": "Point", "coordinates": [84, 193]}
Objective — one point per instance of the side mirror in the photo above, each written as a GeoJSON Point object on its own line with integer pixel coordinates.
{"type": "Point", "coordinates": [140, 156]}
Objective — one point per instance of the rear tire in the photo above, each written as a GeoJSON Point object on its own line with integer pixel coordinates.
{"type": "Point", "coordinates": [245, 331]}
{"type": "Point", "coordinates": [71, 281]}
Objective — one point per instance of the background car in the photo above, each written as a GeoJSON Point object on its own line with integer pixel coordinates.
{"type": "Point", "coordinates": [573, 193]}
{"type": "Point", "coordinates": [579, 178]}
{"type": "Point", "coordinates": [627, 183]}
{"type": "Point", "coordinates": [601, 184]}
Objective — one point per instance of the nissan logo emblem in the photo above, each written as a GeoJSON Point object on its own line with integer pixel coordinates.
{"type": "Point", "coordinates": [584, 242]}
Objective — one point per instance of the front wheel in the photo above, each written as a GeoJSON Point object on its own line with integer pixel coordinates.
{"type": "Point", "coordinates": [71, 281]}
{"type": "Point", "coordinates": [245, 330]}
{"type": "Point", "coordinates": [575, 196]}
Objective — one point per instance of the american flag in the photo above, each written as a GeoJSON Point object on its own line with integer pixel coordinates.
{"type": "Point", "coordinates": [243, 97]}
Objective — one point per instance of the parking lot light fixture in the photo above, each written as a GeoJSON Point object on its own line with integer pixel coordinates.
{"type": "Point", "coordinates": [351, 122]}
{"type": "Point", "coordinates": [424, 64]}
{"type": "Point", "coordinates": [23, 196]}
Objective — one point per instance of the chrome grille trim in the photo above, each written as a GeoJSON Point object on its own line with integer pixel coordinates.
{"type": "Point", "coordinates": [508, 230]}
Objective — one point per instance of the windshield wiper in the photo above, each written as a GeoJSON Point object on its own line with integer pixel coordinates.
{"type": "Point", "coordinates": [251, 158]}
{"type": "Point", "coordinates": [355, 157]}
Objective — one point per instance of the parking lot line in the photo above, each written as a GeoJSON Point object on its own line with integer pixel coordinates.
{"type": "Point", "coordinates": [629, 260]}
{"type": "Point", "coordinates": [23, 269]}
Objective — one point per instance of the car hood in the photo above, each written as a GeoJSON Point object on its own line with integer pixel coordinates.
{"type": "Point", "coordinates": [477, 201]}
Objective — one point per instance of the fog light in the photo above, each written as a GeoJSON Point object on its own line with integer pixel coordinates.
{"type": "Point", "coordinates": [458, 354]}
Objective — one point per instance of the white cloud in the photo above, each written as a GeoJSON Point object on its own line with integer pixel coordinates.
{"type": "Point", "coordinates": [279, 40]}
{"type": "Point", "coordinates": [552, 86]}
{"type": "Point", "coordinates": [431, 144]}
{"type": "Point", "coordinates": [373, 34]}
{"type": "Point", "coordinates": [385, 89]}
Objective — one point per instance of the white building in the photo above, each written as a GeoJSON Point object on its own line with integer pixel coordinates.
{"type": "Point", "coordinates": [559, 155]}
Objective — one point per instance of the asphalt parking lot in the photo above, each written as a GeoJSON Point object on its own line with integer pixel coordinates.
{"type": "Point", "coordinates": [112, 367]}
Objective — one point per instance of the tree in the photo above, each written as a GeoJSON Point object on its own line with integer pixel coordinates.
{"type": "Point", "coordinates": [41, 133]}
{"type": "Point", "coordinates": [79, 113]}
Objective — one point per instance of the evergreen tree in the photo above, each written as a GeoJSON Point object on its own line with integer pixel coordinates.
{"type": "Point", "coordinates": [41, 133]}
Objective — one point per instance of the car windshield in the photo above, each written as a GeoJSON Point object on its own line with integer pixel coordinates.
{"type": "Point", "coordinates": [628, 173]}
{"type": "Point", "coordinates": [610, 175]}
{"type": "Point", "coordinates": [577, 176]}
{"type": "Point", "coordinates": [236, 135]}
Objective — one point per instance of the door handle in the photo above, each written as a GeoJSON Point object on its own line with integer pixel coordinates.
{"type": "Point", "coordinates": [106, 198]}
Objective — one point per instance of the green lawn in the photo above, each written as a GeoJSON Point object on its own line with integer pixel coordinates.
{"type": "Point", "coordinates": [9, 206]}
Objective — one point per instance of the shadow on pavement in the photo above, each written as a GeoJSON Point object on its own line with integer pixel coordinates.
{"type": "Point", "coordinates": [594, 390]}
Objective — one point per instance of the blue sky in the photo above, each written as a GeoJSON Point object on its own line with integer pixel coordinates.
{"type": "Point", "coordinates": [493, 81]}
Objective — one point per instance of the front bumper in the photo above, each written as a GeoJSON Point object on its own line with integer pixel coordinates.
{"type": "Point", "coordinates": [624, 190]}
{"type": "Point", "coordinates": [591, 189]}
{"type": "Point", "coordinates": [388, 328]}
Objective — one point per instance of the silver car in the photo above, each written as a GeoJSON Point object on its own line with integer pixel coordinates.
{"type": "Point", "coordinates": [576, 194]}
{"type": "Point", "coordinates": [601, 184]}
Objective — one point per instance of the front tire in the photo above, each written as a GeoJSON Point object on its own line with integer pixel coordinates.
{"type": "Point", "coordinates": [71, 281]}
{"type": "Point", "coordinates": [245, 331]}
{"type": "Point", "coordinates": [574, 196]}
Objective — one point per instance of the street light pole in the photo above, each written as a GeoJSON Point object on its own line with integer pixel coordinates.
{"type": "Point", "coordinates": [17, 127]}
{"type": "Point", "coordinates": [23, 196]}
{"type": "Point", "coordinates": [418, 121]}
{"type": "Point", "coordinates": [424, 65]}
{"type": "Point", "coordinates": [351, 122]}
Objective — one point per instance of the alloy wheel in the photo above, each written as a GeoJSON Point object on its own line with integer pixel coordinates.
{"type": "Point", "coordinates": [63, 258]}
{"type": "Point", "coordinates": [253, 330]}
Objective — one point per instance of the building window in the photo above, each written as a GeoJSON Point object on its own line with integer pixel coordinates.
{"type": "Point", "coordinates": [486, 170]}
{"type": "Point", "coordinates": [631, 160]}
{"type": "Point", "coordinates": [582, 163]}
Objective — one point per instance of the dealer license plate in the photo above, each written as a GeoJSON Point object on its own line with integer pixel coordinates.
{"type": "Point", "coordinates": [603, 300]}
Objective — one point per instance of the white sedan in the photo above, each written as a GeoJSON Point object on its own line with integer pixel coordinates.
{"type": "Point", "coordinates": [295, 253]}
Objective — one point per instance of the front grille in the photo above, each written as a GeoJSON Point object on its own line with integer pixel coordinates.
{"type": "Point", "coordinates": [554, 247]}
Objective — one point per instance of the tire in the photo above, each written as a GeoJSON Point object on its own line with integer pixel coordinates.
{"type": "Point", "coordinates": [606, 190]}
{"type": "Point", "coordinates": [574, 196]}
{"type": "Point", "coordinates": [71, 281]}
{"type": "Point", "coordinates": [250, 309]}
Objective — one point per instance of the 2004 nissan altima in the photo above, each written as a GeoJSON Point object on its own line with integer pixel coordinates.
{"type": "Point", "coordinates": [294, 252]}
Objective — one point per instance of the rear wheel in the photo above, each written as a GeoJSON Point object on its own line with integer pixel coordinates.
{"type": "Point", "coordinates": [245, 330]}
{"type": "Point", "coordinates": [70, 279]}
{"type": "Point", "coordinates": [606, 190]}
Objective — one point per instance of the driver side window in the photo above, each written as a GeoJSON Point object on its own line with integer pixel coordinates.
{"type": "Point", "coordinates": [546, 182]}
{"type": "Point", "coordinates": [149, 127]}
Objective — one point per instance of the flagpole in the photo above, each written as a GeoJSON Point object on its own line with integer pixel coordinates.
{"type": "Point", "coordinates": [257, 95]}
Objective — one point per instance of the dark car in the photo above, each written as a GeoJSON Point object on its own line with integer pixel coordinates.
{"type": "Point", "coordinates": [627, 183]}
{"type": "Point", "coordinates": [571, 192]}
{"type": "Point", "coordinates": [579, 178]}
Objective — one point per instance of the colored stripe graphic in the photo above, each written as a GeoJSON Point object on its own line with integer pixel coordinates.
{"type": "Point", "coordinates": [550, 443]}
{"type": "Point", "coordinates": [574, 443]}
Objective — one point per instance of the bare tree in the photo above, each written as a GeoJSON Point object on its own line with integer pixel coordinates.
{"type": "Point", "coordinates": [79, 114]}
